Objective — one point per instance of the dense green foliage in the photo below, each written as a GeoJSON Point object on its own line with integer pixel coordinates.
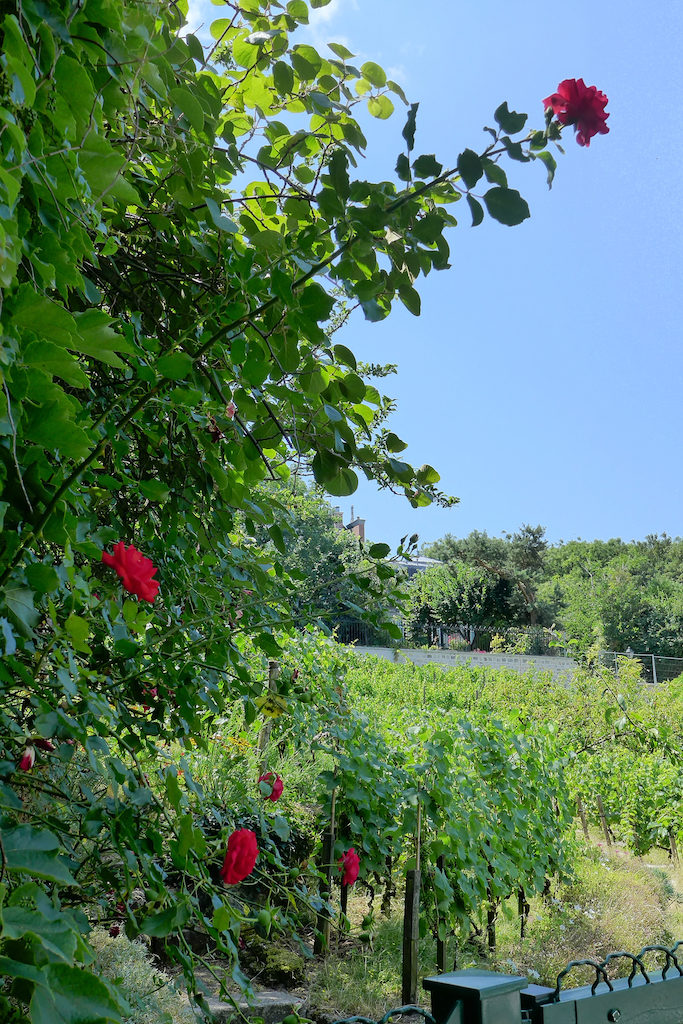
{"type": "Point", "coordinates": [616, 739]}
{"type": "Point", "coordinates": [332, 581]}
{"type": "Point", "coordinates": [608, 594]}
{"type": "Point", "coordinates": [176, 229]}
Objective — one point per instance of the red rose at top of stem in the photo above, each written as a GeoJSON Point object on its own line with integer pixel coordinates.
{"type": "Point", "coordinates": [276, 783]}
{"type": "Point", "coordinates": [581, 105]}
{"type": "Point", "coordinates": [135, 570]}
{"type": "Point", "coordinates": [349, 864]}
{"type": "Point", "coordinates": [240, 857]}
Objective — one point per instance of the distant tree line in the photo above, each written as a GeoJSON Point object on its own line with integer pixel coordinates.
{"type": "Point", "coordinates": [611, 593]}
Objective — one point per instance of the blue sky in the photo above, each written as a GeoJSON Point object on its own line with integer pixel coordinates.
{"type": "Point", "coordinates": [542, 379]}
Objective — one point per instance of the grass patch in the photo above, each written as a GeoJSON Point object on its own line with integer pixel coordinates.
{"type": "Point", "coordinates": [615, 902]}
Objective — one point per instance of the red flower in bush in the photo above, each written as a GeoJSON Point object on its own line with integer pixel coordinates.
{"type": "Point", "coordinates": [44, 744]}
{"type": "Point", "coordinates": [240, 856]}
{"type": "Point", "coordinates": [135, 570]}
{"type": "Point", "coordinates": [349, 864]}
{"type": "Point", "coordinates": [581, 105]}
{"type": "Point", "coordinates": [28, 760]}
{"type": "Point", "coordinates": [277, 785]}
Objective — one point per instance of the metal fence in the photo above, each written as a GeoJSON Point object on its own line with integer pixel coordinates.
{"type": "Point", "coordinates": [652, 992]}
{"type": "Point", "coordinates": [655, 667]}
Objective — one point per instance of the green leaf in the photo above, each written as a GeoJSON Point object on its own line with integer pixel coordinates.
{"type": "Point", "coordinates": [408, 132]}
{"type": "Point", "coordinates": [379, 551]}
{"type": "Point", "coordinates": [20, 606]}
{"type": "Point", "coordinates": [403, 167]}
{"type": "Point", "coordinates": [315, 302]}
{"type": "Point", "coordinates": [341, 51]}
{"type": "Point", "coordinates": [8, 798]}
{"type": "Point", "coordinates": [78, 629]}
{"type": "Point", "coordinates": [43, 316]}
{"type": "Point", "coordinates": [56, 361]}
{"type": "Point", "coordinates": [374, 74]}
{"type": "Point", "coordinates": [410, 299]}
{"type": "Point", "coordinates": [154, 490]}
{"type": "Point", "coordinates": [268, 644]}
{"type": "Point", "coordinates": [494, 173]}
{"type": "Point", "coordinates": [333, 415]}
{"type": "Point", "coordinates": [427, 166]}
{"type": "Point", "coordinates": [281, 827]}
{"type": "Point", "coordinates": [401, 470]}
{"type": "Point", "coordinates": [42, 578]}
{"type": "Point", "coordinates": [188, 105]}
{"type": "Point", "coordinates": [35, 852]}
{"type": "Point", "coordinates": [427, 475]}
{"type": "Point", "coordinates": [395, 444]}
{"type": "Point", "coordinates": [344, 483]}
{"type": "Point", "coordinates": [506, 206]}
{"type": "Point", "coordinates": [352, 387]}
{"type": "Point", "coordinates": [373, 311]}
{"type": "Point", "coordinates": [56, 936]}
{"type": "Point", "coordinates": [73, 995]}
{"type": "Point", "coordinates": [344, 355]}
{"type": "Point", "coordinates": [220, 220]}
{"type": "Point", "coordinates": [283, 77]}
{"type": "Point", "coordinates": [175, 365]}
{"type": "Point", "coordinates": [397, 90]}
{"type": "Point", "coordinates": [477, 211]}
{"type": "Point", "coordinates": [245, 54]}
{"type": "Point", "coordinates": [470, 167]}
{"type": "Point", "coordinates": [338, 169]}
{"type": "Point", "coordinates": [166, 921]}
{"type": "Point", "coordinates": [96, 337]}
{"type": "Point", "coordinates": [277, 538]}
{"type": "Point", "coordinates": [514, 150]}
{"type": "Point", "coordinates": [509, 120]}
{"type": "Point", "coordinates": [10, 643]}
{"type": "Point", "coordinates": [551, 165]}
{"type": "Point", "coordinates": [381, 107]}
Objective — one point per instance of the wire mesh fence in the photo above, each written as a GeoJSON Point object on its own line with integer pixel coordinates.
{"type": "Point", "coordinates": [656, 668]}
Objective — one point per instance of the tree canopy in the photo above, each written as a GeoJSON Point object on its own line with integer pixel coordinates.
{"type": "Point", "coordinates": [610, 593]}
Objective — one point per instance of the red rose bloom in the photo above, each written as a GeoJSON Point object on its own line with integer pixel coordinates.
{"type": "Point", "coordinates": [276, 783]}
{"type": "Point", "coordinates": [28, 760]}
{"type": "Point", "coordinates": [135, 570]}
{"type": "Point", "coordinates": [349, 864]}
{"type": "Point", "coordinates": [581, 105]}
{"type": "Point", "coordinates": [240, 856]}
{"type": "Point", "coordinates": [44, 744]}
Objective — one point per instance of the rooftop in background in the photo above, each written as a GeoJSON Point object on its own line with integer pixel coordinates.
{"type": "Point", "coordinates": [414, 565]}
{"type": "Point", "coordinates": [356, 525]}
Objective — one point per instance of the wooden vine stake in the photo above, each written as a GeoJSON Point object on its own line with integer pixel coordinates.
{"type": "Point", "coordinates": [411, 923]}
{"type": "Point", "coordinates": [523, 909]}
{"type": "Point", "coordinates": [264, 735]}
{"type": "Point", "coordinates": [322, 929]}
{"type": "Point", "coordinates": [603, 820]}
{"type": "Point", "coordinates": [582, 815]}
{"type": "Point", "coordinates": [440, 943]}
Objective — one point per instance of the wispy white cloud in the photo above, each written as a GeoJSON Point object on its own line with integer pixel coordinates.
{"type": "Point", "coordinates": [321, 24]}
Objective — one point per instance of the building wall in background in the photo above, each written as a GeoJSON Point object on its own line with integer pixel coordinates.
{"type": "Point", "coordinates": [558, 666]}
